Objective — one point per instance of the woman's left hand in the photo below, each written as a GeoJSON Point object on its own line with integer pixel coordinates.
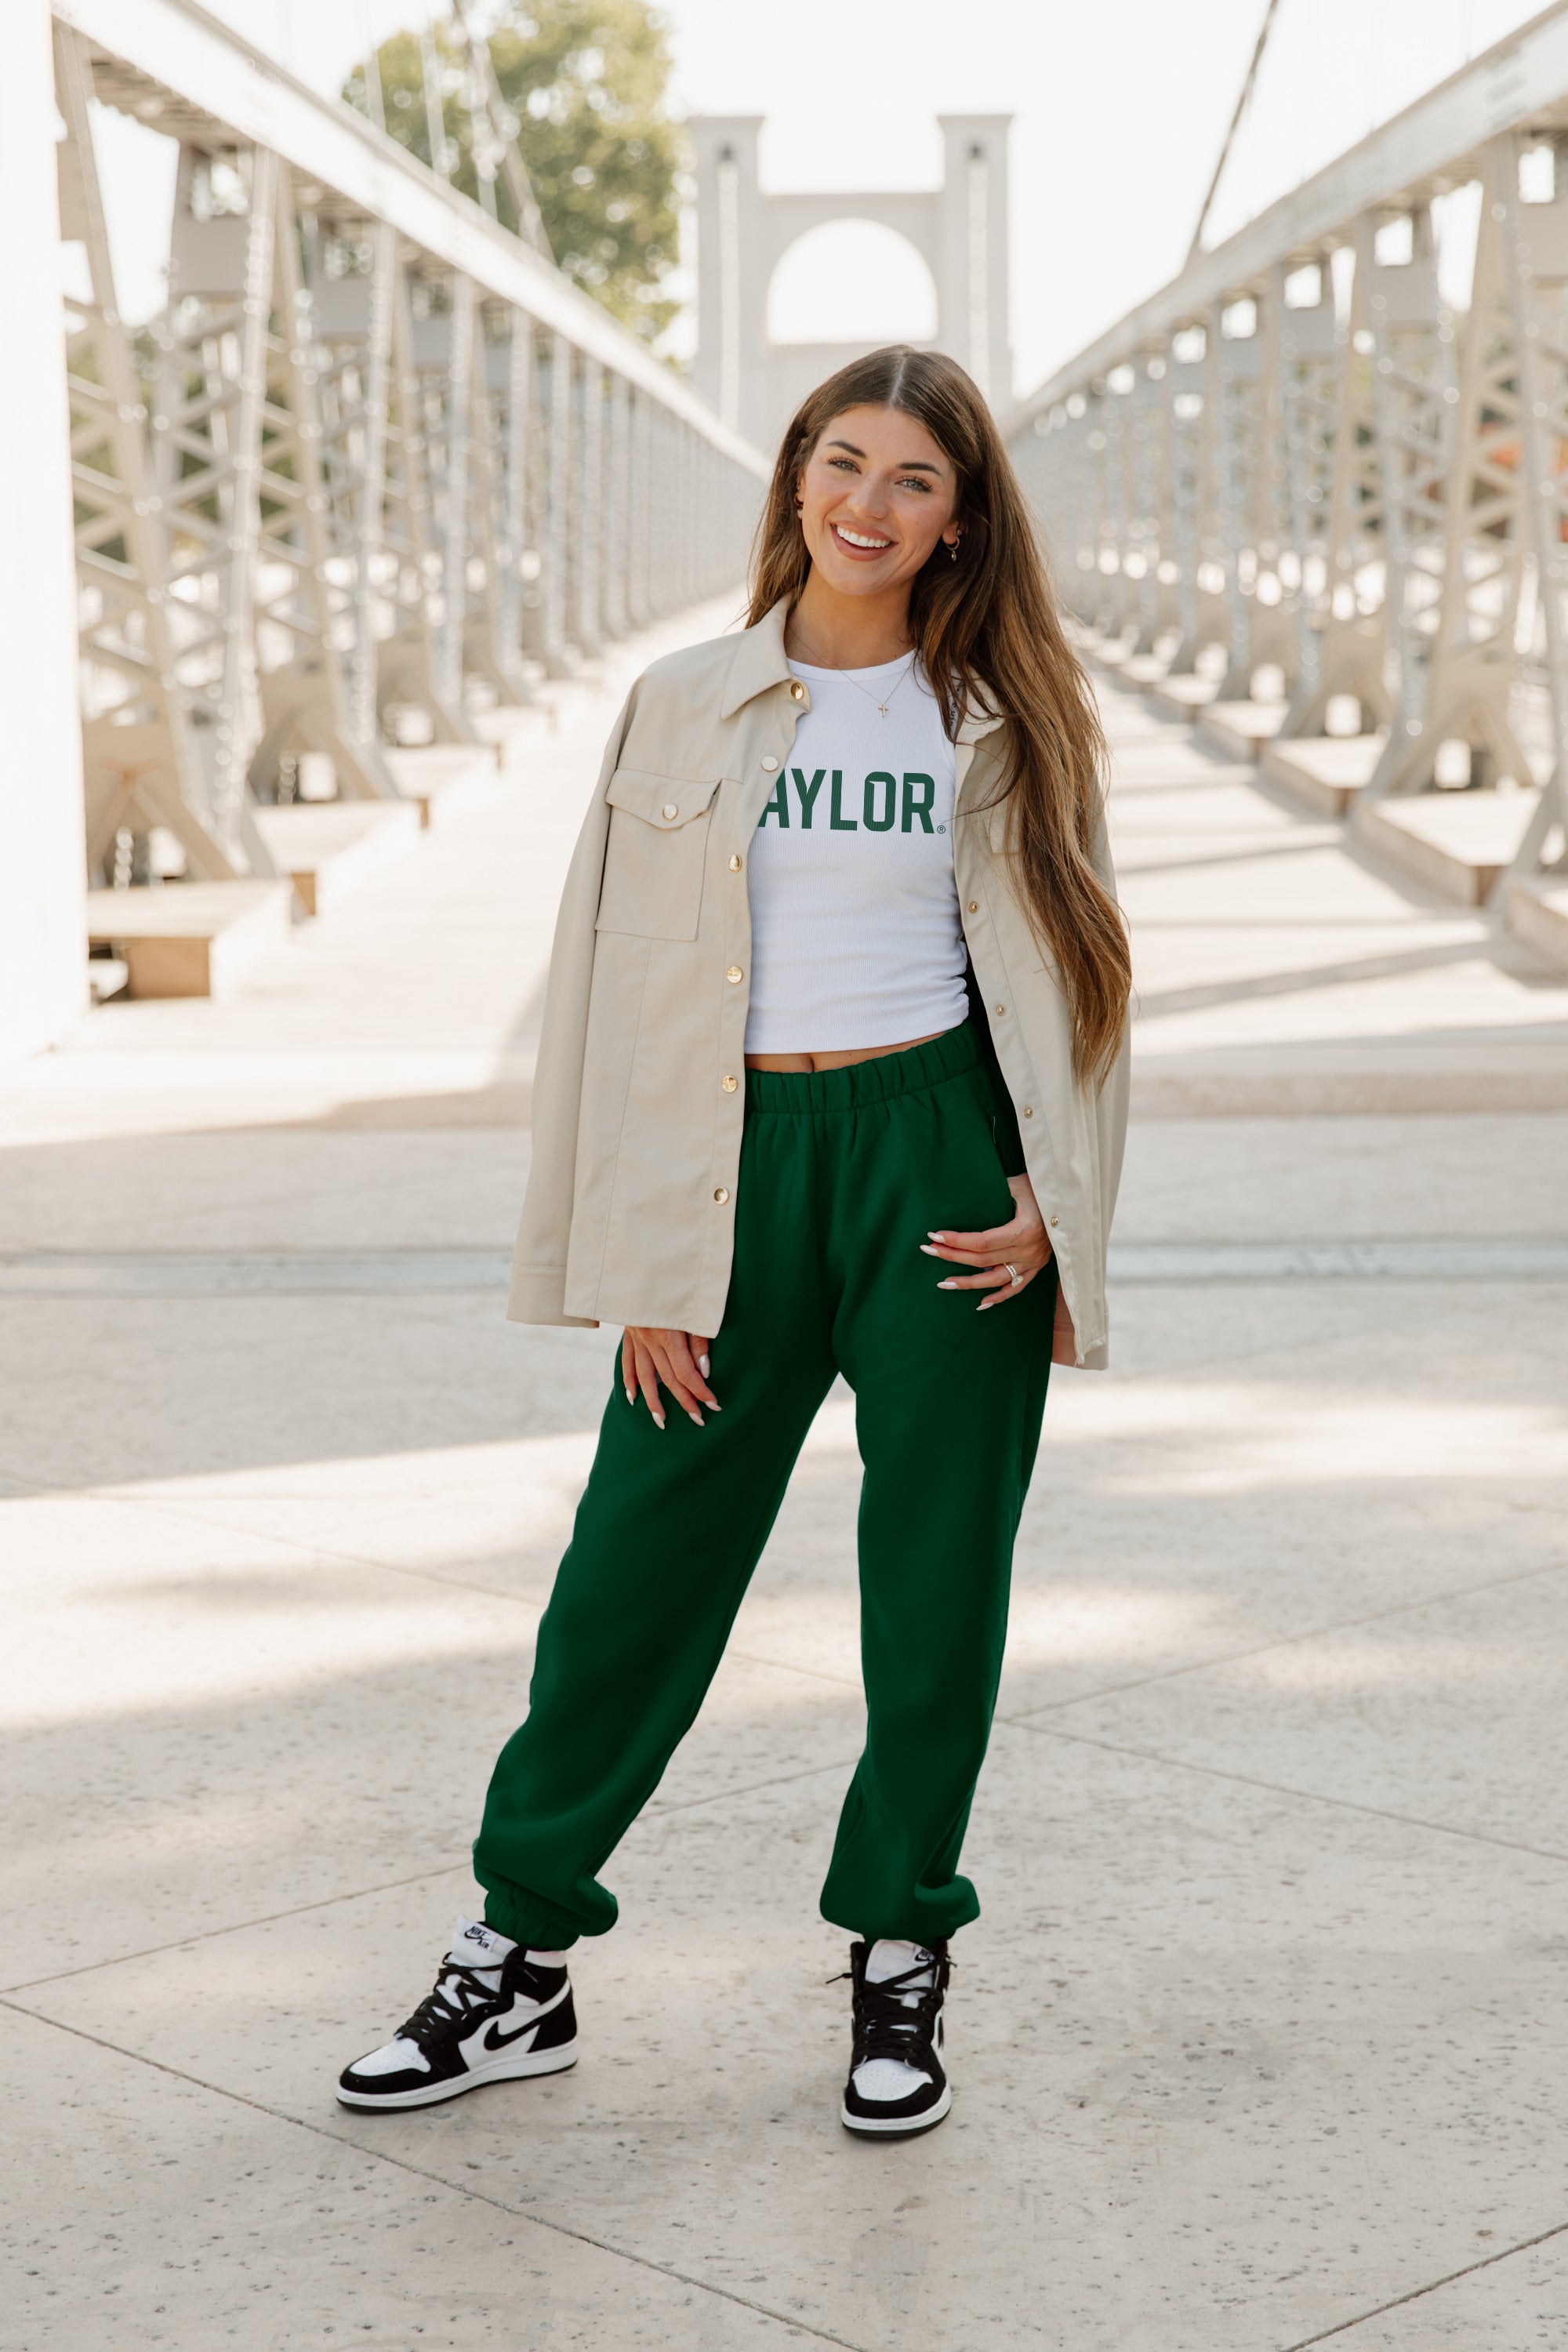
{"type": "Point", "coordinates": [1008, 1257]}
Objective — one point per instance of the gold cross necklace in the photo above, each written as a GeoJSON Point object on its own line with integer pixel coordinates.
{"type": "Point", "coordinates": [850, 676]}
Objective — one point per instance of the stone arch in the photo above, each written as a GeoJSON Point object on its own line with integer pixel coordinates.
{"type": "Point", "coordinates": [886, 285]}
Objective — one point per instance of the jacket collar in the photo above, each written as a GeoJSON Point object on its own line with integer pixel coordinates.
{"type": "Point", "coordinates": [759, 661]}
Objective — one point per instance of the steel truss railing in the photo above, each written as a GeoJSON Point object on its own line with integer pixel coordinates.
{"type": "Point", "coordinates": [1297, 458]}
{"type": "Point", "coordinates": [383, 452]}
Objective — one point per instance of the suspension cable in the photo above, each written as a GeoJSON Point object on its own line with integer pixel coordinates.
{"type": "Point", "coordinates": [504, 130]}
{"type": "Point", "coordinates": [434, 112]}
{"type": "Point", "coordinates": [1242, 104]}
{"type": "Point", "coordinates": [374, 92]}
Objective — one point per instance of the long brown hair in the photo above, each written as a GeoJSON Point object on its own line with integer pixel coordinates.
{"type": "Point", "coordinates": [988, 634]}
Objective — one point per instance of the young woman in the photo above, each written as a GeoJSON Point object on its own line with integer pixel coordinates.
{"type": "Point", "coordinates": [832, 1078]}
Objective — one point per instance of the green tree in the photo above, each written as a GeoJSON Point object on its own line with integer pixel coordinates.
{"type": "Point", "coordinates": [585, 81]}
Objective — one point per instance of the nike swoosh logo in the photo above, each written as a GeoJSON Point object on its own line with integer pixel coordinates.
{"type": "Point", "coordinates": [496, 2040]}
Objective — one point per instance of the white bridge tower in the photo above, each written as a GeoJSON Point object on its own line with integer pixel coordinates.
{"type": "Point", "coordinates": [959, 229]}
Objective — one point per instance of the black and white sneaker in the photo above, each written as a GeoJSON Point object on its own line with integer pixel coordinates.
{"type": "Point", "coordinates": [498, 2010]}
{"type": "Point", "coordinates": [897, 2086]}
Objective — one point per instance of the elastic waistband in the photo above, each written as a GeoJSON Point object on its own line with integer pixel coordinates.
{"type": "Point", "coordinates": [882, 1080]}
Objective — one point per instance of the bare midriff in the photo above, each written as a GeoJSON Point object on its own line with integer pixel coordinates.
{"type": "Point", "coordinates": [839, 1057]}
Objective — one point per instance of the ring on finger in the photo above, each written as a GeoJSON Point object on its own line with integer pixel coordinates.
{"type": "Point", "coordinates": [1013, 1270]}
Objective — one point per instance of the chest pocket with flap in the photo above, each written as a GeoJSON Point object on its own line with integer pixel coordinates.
{"type": "Point", "coordinates": [654, 860]}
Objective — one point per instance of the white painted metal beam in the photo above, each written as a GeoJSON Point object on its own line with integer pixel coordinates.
{"type": "Point", "coordinates": [43, 937]}
{"type": "Point", "coordinates": [1435, 144]}
{"type": "Point", "coordinates": [183, 50]}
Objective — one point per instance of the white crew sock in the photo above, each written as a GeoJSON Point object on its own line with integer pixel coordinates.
{"type": "Point", "coordinates": [482, 1948]}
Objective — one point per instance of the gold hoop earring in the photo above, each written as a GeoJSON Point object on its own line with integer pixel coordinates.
{"type": "Point", "coordinates": [952, 548]}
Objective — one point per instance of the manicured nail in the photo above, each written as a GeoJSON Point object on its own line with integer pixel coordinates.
{"type": "Point", "coordinates": [703, 1366]}
{"type": "Point", "coordinates": [928, 1250]}
{"type": "Point", "coordinates": [658, 1421]}
{"type": "Point", "coordinates": [631, 1396]}
{"type": "Point", "coordinates": [696, 1417]}
{"type": "Point", "coordinates": [947, 1286]}
{"type": "Point", "coordinates": [936, 1237]}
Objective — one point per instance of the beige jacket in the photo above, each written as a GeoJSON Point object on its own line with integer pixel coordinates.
{"type": "Point", "coordinates": [639, 1089]}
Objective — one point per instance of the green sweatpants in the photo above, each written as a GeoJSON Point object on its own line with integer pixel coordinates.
{"type": "Point", "coordinates": [843, 1174]}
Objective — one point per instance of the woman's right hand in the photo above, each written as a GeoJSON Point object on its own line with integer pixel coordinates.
{"type": "Point", "coordinates": [651, 1354]}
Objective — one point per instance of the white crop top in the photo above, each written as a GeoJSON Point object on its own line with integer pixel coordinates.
{"type": "Point", "coordinates": [856, 937]}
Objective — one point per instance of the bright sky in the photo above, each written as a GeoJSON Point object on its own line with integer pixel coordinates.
{"type": "Point", "coordinates": [1120, 107]}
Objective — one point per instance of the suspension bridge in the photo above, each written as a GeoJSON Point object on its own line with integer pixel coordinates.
{"type": "Point", "coordinates": [1316, 494]}
{"type": "Point", "coordinates": [384, 452]}
{"type": "Point", "coordinates": [331, 580]}
{"type": "Point", "coordinates": [383, 466]}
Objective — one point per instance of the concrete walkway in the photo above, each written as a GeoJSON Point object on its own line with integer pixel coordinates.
{"type": "Point", "coordinates": [1263, 2039]}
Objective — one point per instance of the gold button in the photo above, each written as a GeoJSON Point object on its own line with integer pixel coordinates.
{"type": "Point", "coordinates": [736, 863]}
{"type": "Point", "coordinates": [975, 906]}
{"type": "Point", "coordinates": [770, 763]}
{"type": "Point", "coordinates": [734, 972]}
{"type": "Point", "coordinates": [1001, 1008]}
{"type": "Point", "coordinates": [1028, 1110]}
{"type": "Point", "coordinates": [1055, 1221]}
{"type": "Point", "coordinates": [729, 1084]}
{"type": "Point", "coordinates": [797, 691]}
{"type": "Point", "coordinates": [721, 1193]}
{"type": "Point", "coordinates": [671, 811]}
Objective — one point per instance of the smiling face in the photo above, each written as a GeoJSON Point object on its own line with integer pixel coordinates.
{"type": "Point", "coordinates": [877, 493]}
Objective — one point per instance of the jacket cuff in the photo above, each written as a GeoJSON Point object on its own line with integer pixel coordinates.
{"type": "Point", "coordinates": [538, 1295]}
